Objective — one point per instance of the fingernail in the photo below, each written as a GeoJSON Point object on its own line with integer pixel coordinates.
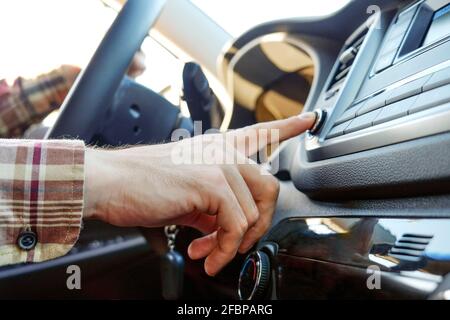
{"type": "Point", "coordinates": [189, 252]}
{"type": "Point", "coordinates": [208, 271]}
{"type": "Point", "coordinates": [308, 116]}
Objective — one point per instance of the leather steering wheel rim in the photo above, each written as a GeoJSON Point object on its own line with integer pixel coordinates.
{"type": "Point", "coordinates": [92, 93]}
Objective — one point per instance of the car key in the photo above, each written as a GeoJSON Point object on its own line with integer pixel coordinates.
{"type": "Point", "coordinates": [172, 267]}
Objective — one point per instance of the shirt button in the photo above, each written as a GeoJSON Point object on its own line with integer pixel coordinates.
{"type": "Point", "coordinates": [27, 240]}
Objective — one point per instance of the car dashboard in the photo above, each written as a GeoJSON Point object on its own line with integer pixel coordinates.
{"type": "Point", "coordinates": [368, 193]}
{"type": "Point", "coordinates": [364, 204]}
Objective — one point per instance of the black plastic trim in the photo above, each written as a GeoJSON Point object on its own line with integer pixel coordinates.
{"type": "Point", "coordinates": [417, 167]}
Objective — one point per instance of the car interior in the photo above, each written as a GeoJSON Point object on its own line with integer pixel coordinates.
{"type": "Point", "coordinates": [367, 189]}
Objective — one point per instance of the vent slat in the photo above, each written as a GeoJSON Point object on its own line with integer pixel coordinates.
{"type": "Point", "coordinates": [405, 258]}
{"type": "Point", "coordinates": [417, 253]}
{"type": "Point", "coordinates": [412, 235]}
{"type": "Point", "coordinates": [414, 240]}
{"type": "Point", "coordinates": [342, 74]}
{"type": "Point", "coordinates": [359, 41]}
{"type": "Point", "coordinates": [344, 69]}
{"type": "Point", "coordinates": [410, 247]}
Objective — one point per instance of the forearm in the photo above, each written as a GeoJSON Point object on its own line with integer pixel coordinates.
{"type": "Point", "coordinates": [45, 184]}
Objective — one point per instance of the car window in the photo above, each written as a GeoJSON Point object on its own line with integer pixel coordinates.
{"type": "Point", "coordinates": [163, 72]}
{"type": "Point", "coordinates": [237, 16]}
{"type": "Point", "coordinates": [61, 32]}
{"type": "Point", "coordinates": [68, 32]}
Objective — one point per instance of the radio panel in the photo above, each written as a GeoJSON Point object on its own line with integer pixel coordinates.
{"type": "Point", "coordinates": [364, 114]}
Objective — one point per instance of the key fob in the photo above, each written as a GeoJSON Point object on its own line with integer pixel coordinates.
{"type": "Point", "coordinates": [172, 275]}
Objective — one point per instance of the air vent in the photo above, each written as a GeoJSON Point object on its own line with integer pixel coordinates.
{"type": "Point", "coordinates": [410, 247]}
{"type": "Point", "coordinates": [345, 60]}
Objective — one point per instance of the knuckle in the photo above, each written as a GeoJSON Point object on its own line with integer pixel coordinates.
{"type": "Point", "coordinates": [242, 226]}
{"type": "Point", "coordinates": [217, 177]}
{"type": "Point", "coordinates": [264, 226]}
{"type": "Point", "coordinates": [272, 186]}
{"type": "Point", "coordinates": [253, 216]}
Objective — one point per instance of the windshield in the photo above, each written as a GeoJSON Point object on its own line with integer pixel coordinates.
{"type": "Point", "coordinates": [237, 16]}
{"type": "Point", "coordinates": [50, 33]}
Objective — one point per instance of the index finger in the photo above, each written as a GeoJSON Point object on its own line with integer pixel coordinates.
{"type": "Point", "coordinates": [257, 136]}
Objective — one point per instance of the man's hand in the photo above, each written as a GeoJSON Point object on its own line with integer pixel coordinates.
{"type": "Point", "coordinates": [232, 203]}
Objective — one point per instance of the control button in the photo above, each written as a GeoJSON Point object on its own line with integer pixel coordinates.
{"type": "Point", "coordinates": [372, 104]}
{"type": "Point", "coordinates": [385, 60]}
{"type": "Point", "coordinates": [399, 29]}
{"type": "Point", "coordinates": [438, 79]}
{"type": "Point", "coordinates": [342, 74]}
{"type": "Point", "coordinates": [394, 111]}
{"type": "Point", "coordinates": [406, 15]}
{"type": "Point", "coordinates": [337, 130]}
{"type": "Point", "coordinates": [388, 53]}
{"type": "Point", "coordinates": [431, 99]}
{"type": "Point", "coordinates": [320, 119]}
{"type": "Point", "coordinates": [254, 277]}
{"type": "Point", "coordinates": [362, 122]}
{"type": "Point", "coordinates": [349, 114]}
{"type": "Point", "coordinates": [391, 44]}
{"type": "Point", "coordinates": [27, 240]}
{"type": "Point", "coordinates": [407, 90]}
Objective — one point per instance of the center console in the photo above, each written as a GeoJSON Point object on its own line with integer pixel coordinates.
{"type": "Point", "coordinates": [370, 185]}
{"type": "Point", "coordinates": [387, 104]}
{"type": "Point", "coordinates": [391, 83]}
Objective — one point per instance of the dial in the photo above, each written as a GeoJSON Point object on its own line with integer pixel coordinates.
{"type": "Point", "coordinates": [254, 276]}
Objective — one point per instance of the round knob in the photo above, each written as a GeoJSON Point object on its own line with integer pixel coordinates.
{"type": "Point", "coordinates": [320, 119]}
{"type": "Point", "coordinates": [254, 276]}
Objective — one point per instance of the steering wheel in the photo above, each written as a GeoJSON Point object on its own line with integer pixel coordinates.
{"type": "Point", "coordinates": [93, 91]}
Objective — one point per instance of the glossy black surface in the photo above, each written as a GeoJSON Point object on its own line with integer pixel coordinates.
{"type": "Point", "coordinates": [319, 257]}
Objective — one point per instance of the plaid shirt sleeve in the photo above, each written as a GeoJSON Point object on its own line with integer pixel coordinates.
{"type": "Point", "coordinates": [41, 193]}
{"type": "Point", "coordinates": [28, 101]}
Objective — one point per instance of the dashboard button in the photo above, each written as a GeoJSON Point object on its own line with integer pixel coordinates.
{"type": "Point", "coordinates": [431, 99]}
{"type": "Point", "coordinates": [407, 90]}
{"type": "Point", "coordinates": [438, 79]}
{"type": "Point", "coordinates": [406, 15]}
{"type": "Point", "coordinates": [398, 31]}
{"type": "Point", "coordinates": [362, 122]}
{"type": "Point", "coordinates": [337, 130]}
{"type": "Point", "coordinates": [348, 114]}
{"type": "Point", "coordinates": [320, 120]}
{"type": "Point", "coordinates": [394, 111]}
{"type": "Point", "coordinates": [385, 60]}
{"type": "Point", "coordinates": [391, 44]}
{"type": "Point", "coordinates": [373, 103]}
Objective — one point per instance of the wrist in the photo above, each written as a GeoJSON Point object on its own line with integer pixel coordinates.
{"type": "Point", "coordinates": [96, 183]}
